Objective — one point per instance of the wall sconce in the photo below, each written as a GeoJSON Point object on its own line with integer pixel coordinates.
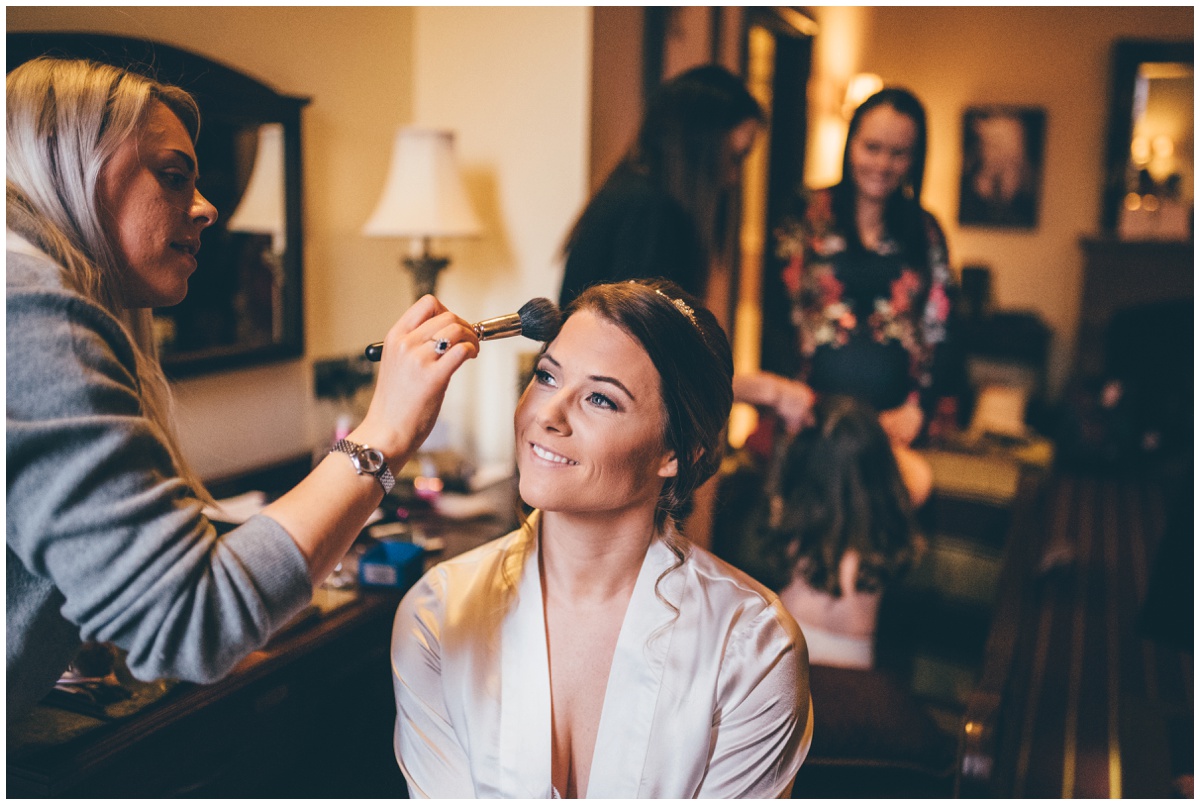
{"type": "Point", "coordinates": [858, 89]}
{"type": "Point", "coordinates": [261, 212]}
{"type": "Point", "coordinates": [423, 198]}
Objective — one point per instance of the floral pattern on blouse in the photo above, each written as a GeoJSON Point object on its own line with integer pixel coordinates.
{"type": "Point", "coordinates": [823, 316]}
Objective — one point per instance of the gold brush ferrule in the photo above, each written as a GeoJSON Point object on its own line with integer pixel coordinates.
{"type": "Point", "coordinates": [499, 327]}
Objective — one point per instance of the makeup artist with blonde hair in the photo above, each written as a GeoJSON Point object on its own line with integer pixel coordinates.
{"type": "Point", "coordinates": [106, 540]}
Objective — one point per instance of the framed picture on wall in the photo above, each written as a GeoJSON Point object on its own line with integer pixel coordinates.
{"type": "Point", "coordinates": [1002, 166]}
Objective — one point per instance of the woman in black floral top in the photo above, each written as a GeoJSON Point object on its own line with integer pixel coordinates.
{"type": "Point", "coordinates": [869, 280]}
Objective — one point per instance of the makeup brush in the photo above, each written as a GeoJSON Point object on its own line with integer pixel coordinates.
{"type": "Point", "coordinates": [538, 320]}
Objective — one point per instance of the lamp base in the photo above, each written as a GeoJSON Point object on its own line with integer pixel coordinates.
{"type": "Point", "coordinates": [425, 270]}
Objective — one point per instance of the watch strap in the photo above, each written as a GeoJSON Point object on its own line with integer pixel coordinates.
{"type": "Point", "coordinates": [357, 452]}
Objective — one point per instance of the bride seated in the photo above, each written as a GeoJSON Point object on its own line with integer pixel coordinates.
{"type": "Point", "coordinates": [594, 651]}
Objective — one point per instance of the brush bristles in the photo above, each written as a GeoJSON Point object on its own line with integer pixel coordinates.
{"type": "Point", "coordinates": [540, 319]}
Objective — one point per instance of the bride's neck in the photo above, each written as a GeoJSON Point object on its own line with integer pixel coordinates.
{"type": "Point", "coordinates": [593, 557]}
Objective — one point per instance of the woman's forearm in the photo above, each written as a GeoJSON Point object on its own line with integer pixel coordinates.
{"type": "Point", "coordinates": [325, 512]}
{"type": "Point", "coordinates": [791, 400]}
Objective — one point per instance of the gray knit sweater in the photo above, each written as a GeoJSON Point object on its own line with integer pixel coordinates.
{"type": "Point", "coordinates": [105, 542]}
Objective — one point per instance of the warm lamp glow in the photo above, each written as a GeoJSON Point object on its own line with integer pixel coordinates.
{"type": "Point", "coordinates": [860, 87]}
{"type": "Point", "coordinates": [1139, 150]}
{"type": "Point", "coordinates": [261, 209]}
{"type": "Point", "coordinates": [1162, 146]}
{"type": "Point", "coordinates": [424, 195]}
{"type": "Point", "coordinates": [824, 167]}
{"type": "Point", "coordinates": [423, 198]}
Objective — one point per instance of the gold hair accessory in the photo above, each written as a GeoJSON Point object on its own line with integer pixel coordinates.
{"type": "Point", "coordinates": [683, 307]}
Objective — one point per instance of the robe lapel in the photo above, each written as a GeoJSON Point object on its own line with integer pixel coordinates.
{"type": "Point", "coordinates": [525, 750]}
{"type": "Point", "coordinates": [623, 737]}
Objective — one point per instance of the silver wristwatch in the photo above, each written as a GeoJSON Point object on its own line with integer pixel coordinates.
{"type": "Point", "coordinates": [367, 461]}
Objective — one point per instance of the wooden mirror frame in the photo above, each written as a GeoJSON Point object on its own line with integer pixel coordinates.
{"type": "Point", "coordinates": [228, 101]}
{"type": "Point", "coordinates": [1127, 56]}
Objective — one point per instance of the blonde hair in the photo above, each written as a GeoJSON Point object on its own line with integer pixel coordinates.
{"type": "Point", "coordinates": [65, 120]}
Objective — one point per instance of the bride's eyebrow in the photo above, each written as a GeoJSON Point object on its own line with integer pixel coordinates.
{"type": "Point", "coordinates": [615, 382]}
{"type": "Point", "coordinates": [546, 356]}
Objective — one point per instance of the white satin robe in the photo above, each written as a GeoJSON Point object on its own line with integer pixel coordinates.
{"type": "Point", "coordinates": [711, 701]}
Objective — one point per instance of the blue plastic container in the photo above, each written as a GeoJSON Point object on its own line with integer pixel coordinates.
{"type": "Point", "coordinates": [391, 564]}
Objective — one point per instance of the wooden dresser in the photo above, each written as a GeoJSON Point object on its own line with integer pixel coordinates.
{"type": "Point", "coordinates": [310, 715]}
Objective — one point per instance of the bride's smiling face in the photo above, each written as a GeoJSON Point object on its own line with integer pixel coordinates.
{"type": "Point", "coordinates": [590, 425]}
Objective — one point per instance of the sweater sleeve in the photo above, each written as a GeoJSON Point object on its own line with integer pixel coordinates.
{"type": "Point", "coordinates": [96, 508]}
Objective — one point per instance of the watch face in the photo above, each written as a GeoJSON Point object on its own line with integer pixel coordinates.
{"type": "Point", "coordinates": [369, 460]}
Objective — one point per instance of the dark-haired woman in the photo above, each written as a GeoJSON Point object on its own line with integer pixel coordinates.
{"type": "Point", "coordinates": [594, 652]}
{"type": "Point", "coordinates": [842, 527]}
{"type": "Point", "coordinates": [664, 210]}
{"type": "Point", "coordinates": [869, 277]}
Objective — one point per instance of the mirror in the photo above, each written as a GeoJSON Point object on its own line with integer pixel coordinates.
{"type": "Point", "coordinates": [244, 304]}
{"type": "Point", "coordinates": [1149, 192]}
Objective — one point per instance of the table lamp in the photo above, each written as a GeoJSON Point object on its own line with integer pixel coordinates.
{"type": "Point", "coordinates": [423, 198]}
{"type": "Point", "coordinates": [262, 211]}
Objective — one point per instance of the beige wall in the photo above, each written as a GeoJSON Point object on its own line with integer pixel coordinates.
{"type": "Point", "coordinates": [512, 82]}
{"type": "Point", "coordinates": [1055, 58]}
{"type": "Point", "coordinates": [515, 84]}
{"type": "Point", "coordinates": [617, 33]}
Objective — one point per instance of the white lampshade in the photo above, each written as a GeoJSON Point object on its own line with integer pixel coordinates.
{"type": "Point", "coordinates": [261, 209]}
{"type": "Point", "coordinates": [424, 196]}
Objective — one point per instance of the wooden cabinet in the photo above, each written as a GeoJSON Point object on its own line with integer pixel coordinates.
{"type": "Point", "coordinates": [310, 715]}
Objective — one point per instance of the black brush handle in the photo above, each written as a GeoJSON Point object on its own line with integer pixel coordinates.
{"type": "Point", "coordinates": [533, 314]}
{"type": "Point", "coordinates": [486, 330]}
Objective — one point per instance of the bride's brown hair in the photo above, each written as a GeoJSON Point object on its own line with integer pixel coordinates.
{"type": "Point", "coordinates": [695, 365]}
